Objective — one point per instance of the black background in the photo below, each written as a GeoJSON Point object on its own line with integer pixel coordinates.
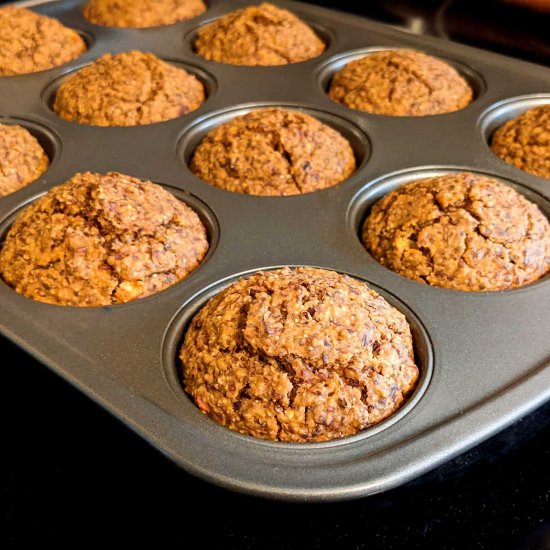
{"type": "Point", "coordinates": [73, 474]}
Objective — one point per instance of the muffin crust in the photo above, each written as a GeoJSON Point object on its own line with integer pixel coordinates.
{"type": "Point", "coordinates": [30, 42]}
{"type": "Point", "coordinates": [22, 159]}
{"type": "Point", "coordinates": [461, 231]}
{"type": "Point", "coordinates": [298, 355]}
{"type": "Point", "coordinates": [128, 89]}
{"type": "Point", "coordinates": [400, 83]}
{"type": "Point", "coordinates": [141, 13]}
{"type": "Point", "coordinates": [525, 141]}
{"type": "Point", "coordinates": [101, 239]}
{"type": "Point", "coordinates": [258, 35]}
{"type": "Point", "coordinates": [273, 152]}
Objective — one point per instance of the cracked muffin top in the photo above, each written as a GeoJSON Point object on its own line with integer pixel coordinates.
{"type": "Point", "coordinates": [22, 159]}
{"type": "Point", "coordinates": [273, 152]}
{"type": "Point", "coordinates": [140, 14]}
{"type": "Point", "coordinates": [101, 239]}
{"type": "Point", "coordinates": [298, 355]}
{"type": "Point", "coordinates": [524, 141]}
{"type": "Point", "coordinates": [128, 89]}
{"type": "Point", "coordinates": [258, 35]}
{"type": "Point", "coordinates": [400, 83]}
{"type": "Point", "coordinates": [30, 42]}
{"type": "Point", "coordinates": [461, 231]}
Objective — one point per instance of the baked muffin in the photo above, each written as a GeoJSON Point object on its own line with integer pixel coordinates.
{"type": "Point", "coordinates": [140, 14]}
{"type": "Point", "coordinates": [258, 35]}
{"type": "Point", "coordinates": [30, 42]}
{"type": "Point", "coordinates": [101, 239]}
{"type": "Point", "coordinates": [128, 89]}
{"type": "Point", "coordinates": [400, 83]}
{"type": "Point", "coordinates": [461, 231]}
{"type": "Point", "coordinates": [22, 159]}
{"type": "Point", "coordinates": [524, 141]}
{"type": "Point", "coordinates": [273, 152]}
{"type": "Point", "coordinates": [298, 355]}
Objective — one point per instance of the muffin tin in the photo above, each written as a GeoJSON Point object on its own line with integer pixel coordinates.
{"type": "Point", "coordinates": [483, 356]}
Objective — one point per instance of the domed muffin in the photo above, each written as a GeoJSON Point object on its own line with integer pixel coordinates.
{"type": "Point", "coordinates": [22, 159]}
{"type": "Point", "coordinates": [273, 152]}
{"type": "Point", "coordinates": [140, 14]}
{"type": "Point", "coordinates": [524, 141]}
{"type": "Point", "coordinates": [461, 231]}
{"type": "Point", "coordinates": [400, 83]}
{"type": "Point", "coordinates": [258, 35]}
{"type": "Point", "coordinates": [101, 239]}
{"type": "Point", "coordinates": [298, 355]}
{"type": "Point", "coordinates": [128, 89]}
{"type": "Point", "coordinates": [30, 42]}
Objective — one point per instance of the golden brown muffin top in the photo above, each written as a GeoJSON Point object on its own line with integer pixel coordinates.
{"type": "Point", "coordinates": [258, 35]}
{"type": "Point", "coordinates": [461, 231]}
{"type": "Point", "coordinates": [128, 89]}
{"type": "Point", "coordinates": [101, 239]}
{"type": "Point", "coordinates": [400, 83]}
{"type": "Point", "coordinates": [298, 355]}
{"type": "Point", "coordinates": [524, 141]}
{"type": "Point", "coordinates": [141, 13]}
{"type": "Point", "coordinates": [273, 152]}
{"type": "Point", "coordinates": [30, 42]}
{"type": "Point", "coordinates": [22, 159]}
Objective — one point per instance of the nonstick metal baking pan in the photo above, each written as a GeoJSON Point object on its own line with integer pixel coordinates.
{"type": "Point", "coordinates": [484, 357]}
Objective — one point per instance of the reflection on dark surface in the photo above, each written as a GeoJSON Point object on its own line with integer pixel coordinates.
{"type": "Point", "coordinates": [488, 24]}
{"type": "Point", "coordinates": [506, 29]}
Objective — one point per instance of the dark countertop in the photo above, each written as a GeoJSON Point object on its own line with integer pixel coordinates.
{"type": "Point", "coordinates": [73, 473]}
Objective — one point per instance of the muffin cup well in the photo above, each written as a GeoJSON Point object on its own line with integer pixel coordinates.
{"type": "Point", "coordinates": [48, 139]}
{"type": "Point", "coordinates": [503, 111]}
{"type": "Point", "coordinates": [323, 32]}
{"type": "Point", "coordinates": [175, 334]}
{"type": "Point", "coordinates": [206, 215]}
{"type": "Point", "coordinates": [88, 38]}
{"type": "Point", "coordinates": [209, 82]}
{"type": "Point", "coordinates": [361, 205]}
{"type": "Point", "coordinates": [358, 140]}
{"type": "Point", "coordinates": [148, 28]}
{"type": "Point", "coordinates": [329, 68]}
